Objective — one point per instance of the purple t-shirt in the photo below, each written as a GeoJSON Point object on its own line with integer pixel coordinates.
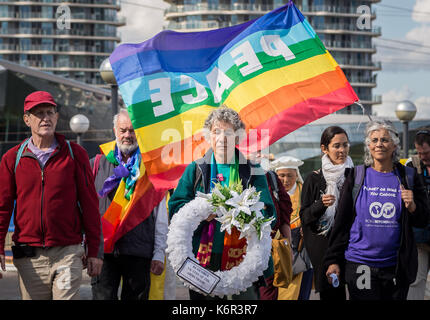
{"type": "Point", "coordinates": [375, 234]}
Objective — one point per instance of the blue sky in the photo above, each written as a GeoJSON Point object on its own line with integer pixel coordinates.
{"type": "Point", "coordinates": [405, 73]}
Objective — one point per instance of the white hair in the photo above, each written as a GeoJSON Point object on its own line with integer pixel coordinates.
{"type": "Point", "coordinates": [122, 111]}
{"type": "Point", "coordinates": [375, 126]}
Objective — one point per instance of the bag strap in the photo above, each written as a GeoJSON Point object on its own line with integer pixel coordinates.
{"type": "Point", "coordinates": [274, 184]}
{"type": "Point", "coordinates": [358, 181]}
{"type": "Point", "coordinates": [198, 176]}
{"type": "Point", "coordinates": [20, 152]}
{"type": "Point", "coordinates": [409, 175]}
{"type": "Point", "coordinates": [416, 162]}
{"type": "Point", "coordinates": [96, 164]}
{"type": "Point", "coordinates": [70, 149]}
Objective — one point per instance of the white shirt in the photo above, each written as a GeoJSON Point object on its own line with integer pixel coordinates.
{"type": "Point", "coordinates": [161, 229]}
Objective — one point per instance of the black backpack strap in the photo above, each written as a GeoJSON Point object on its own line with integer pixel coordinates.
{"type": "Point", "coordinates": [273, 184]}
{"type": "Point", "coordinates": [197, 178]}
{"type": "Point", "coordinates": [409, 177]}
{"type": "Point", "coordinates": [358, 181]}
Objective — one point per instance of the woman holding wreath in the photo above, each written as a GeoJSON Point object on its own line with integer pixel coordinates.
{"type": "Point", "coordinates": [223, 163]}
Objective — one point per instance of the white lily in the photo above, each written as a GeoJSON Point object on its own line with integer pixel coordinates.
{"type": "Point", "coordinates": [241, 202]}
{"type": "Point", "coordinates": [226, 220]}
{"type": "Point", "coordinates": [203, 195]}
{"type": "Point", "coordinates": [218, 193]}
{"type": "Point", "coordinates": [247, 228]}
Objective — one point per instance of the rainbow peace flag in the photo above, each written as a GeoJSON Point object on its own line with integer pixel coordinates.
{"type": "Point", "coordinates": [124, 215]}
{"type": "Point", "coordinates": [274, 71]}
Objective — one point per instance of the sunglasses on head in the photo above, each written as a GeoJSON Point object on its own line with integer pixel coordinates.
{"type": "Point", "coordinates": [427, 132]}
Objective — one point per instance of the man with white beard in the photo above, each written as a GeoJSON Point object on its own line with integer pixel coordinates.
{"type": "Point", "coordinates": [141, 250]}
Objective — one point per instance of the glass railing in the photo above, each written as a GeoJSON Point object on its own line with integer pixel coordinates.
{"type": "Point", "coordinates": [258, 7]}
{"type": "Point", "coordinates": [349, 44]}
{"type": "Point", "coordinates": [74, 16]}
{"type": "Point", "coordinates": [72, 32]}
{"type": "Point", "coordinates": [58, 64]}
{"type": "Point", "coordinates": [362, 79]}
{"type": "Point", "coordinates": [43, 47]}
{"type": "Point", "coordinates": [56, 3]}
{"type": "Point", "coordinates": [331, 9]}
{"type": "Point", "coordinates": [343, 26]}
{"type": "Point", "coordinates": [356, 62]}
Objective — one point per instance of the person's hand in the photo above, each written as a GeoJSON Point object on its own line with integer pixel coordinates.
{"type": "Point", "coordinates": [84, 261]}
{"type": "Point", "coordinates": [94, 266]}
{"type": "Point", "coordinates": [328, 199]}
{"type": "Point", "coordinates": [408, 199]}
{"type": "Point", "coordinates": [333, 268]}
{"type": "Point", "coordinates": [2, 264]}
{"type": "Point", "coordinates": [157, 267]}
{"type": "Point", "coordinates": [211, 217]}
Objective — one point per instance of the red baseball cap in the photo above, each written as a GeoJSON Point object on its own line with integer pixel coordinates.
{"type": "Point", "coordinates": [36, 98]}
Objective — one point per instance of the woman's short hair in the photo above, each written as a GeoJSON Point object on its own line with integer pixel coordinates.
{"type": "Point", "coordinates": [227, 115]}
{"type": "Point", "coordinates": [376, 125]}
{"type": "Point", "coordinates": [329, 133]}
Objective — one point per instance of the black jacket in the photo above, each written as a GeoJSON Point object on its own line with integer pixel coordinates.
{"type": "Point", "coordinates": [407, 258]}
{"type": "Point", "coordinates": [312, 209]}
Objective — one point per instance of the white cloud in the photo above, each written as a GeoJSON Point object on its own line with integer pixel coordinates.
{"type": "Point", "coordinates": [142, 21]}
{"type": "Point", "coordinates": [421, 11]}
{"type": "Point", "coordinates": [391, 98]}
{"type": "Point", "coordinates": [409, 57]}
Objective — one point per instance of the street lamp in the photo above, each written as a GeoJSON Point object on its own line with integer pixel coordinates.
{"type": "Point", "coordinates": [107, 75]}
{"type": "Point", "coordinates": [405, 112]}
{"type": "Point", "coordinates": [79, 125]}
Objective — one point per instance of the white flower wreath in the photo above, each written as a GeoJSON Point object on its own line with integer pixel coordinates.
{"type": "Point", "coordinates": [242, 210]}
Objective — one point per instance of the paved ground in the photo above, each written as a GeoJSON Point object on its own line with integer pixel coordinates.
{"type": "Point", "coordinates": [9, 287]}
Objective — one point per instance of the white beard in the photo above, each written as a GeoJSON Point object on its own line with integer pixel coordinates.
{"type": "Point", "coordinates": [127, 148]}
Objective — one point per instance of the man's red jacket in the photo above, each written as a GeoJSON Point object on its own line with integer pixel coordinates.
{"type": "Point", "coordinates": [47, 212]}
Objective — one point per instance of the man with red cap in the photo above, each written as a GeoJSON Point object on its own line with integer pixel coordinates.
{"type": "Point", "coordinates": [47, 182]}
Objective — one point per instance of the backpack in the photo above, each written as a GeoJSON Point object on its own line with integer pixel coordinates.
{"type": "Point", "coordinates": [19, 155]}
{"type": "Point", "coordinates": [25, 143]}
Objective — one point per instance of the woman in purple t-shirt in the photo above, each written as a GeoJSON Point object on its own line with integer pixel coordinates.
{"type": "Point", "coordinates": [372, 241]}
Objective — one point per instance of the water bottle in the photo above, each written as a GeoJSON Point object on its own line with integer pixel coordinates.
{"type": "Point", "coordinates": [334, 280]}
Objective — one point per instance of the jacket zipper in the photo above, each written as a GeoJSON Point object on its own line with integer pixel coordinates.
{"type": "Point", "coordinates": [41, 209]}
{"type": "Point", "coordinates": [43, 191]}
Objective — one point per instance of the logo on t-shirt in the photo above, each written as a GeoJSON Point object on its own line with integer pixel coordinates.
{"type": "Point", "coordinates": [386, 210]}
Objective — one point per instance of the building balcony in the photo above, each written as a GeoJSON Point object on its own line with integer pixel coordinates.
{"type": "Point", "coordinates": [6, 48]}
{"type": "Point", "coordinates": [246, 8]}
{"type": "Point", "coordinates": [39, 17]}
{"type": "Point", "coordinates": [107, 4]}
{"type": "Point", "coordinates": [56, 33]}
{"type": "Point", "coordinates": [360, 46]}
{"type": "Point", "coordinates": [359, 65]}
{"type": "Point", "coordinates": [60, 66]}
{"type": "Point", "coordinates": [376, 99]}
{"type": "Point", "coordinates": [346, 28]}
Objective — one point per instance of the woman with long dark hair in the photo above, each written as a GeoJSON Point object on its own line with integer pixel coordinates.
{"type": "Point", "coordinates": [320, 195]}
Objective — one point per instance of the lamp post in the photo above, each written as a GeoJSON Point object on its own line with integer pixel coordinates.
{"type": "Point", "coordinates": [405, 112]}
{"type": "Point", "coordinates": [79, 125]}
{"type": "Point", "coordinates": [107, 75]}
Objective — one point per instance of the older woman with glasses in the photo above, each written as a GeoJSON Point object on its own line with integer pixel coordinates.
{"type": "Point", "coordinates": [372, 243]}
{"type": "Point", "coordinates": [222, 163]}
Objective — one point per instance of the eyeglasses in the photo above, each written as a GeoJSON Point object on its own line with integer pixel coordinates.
{"type": "Point", "coordinates": [383, 140]}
